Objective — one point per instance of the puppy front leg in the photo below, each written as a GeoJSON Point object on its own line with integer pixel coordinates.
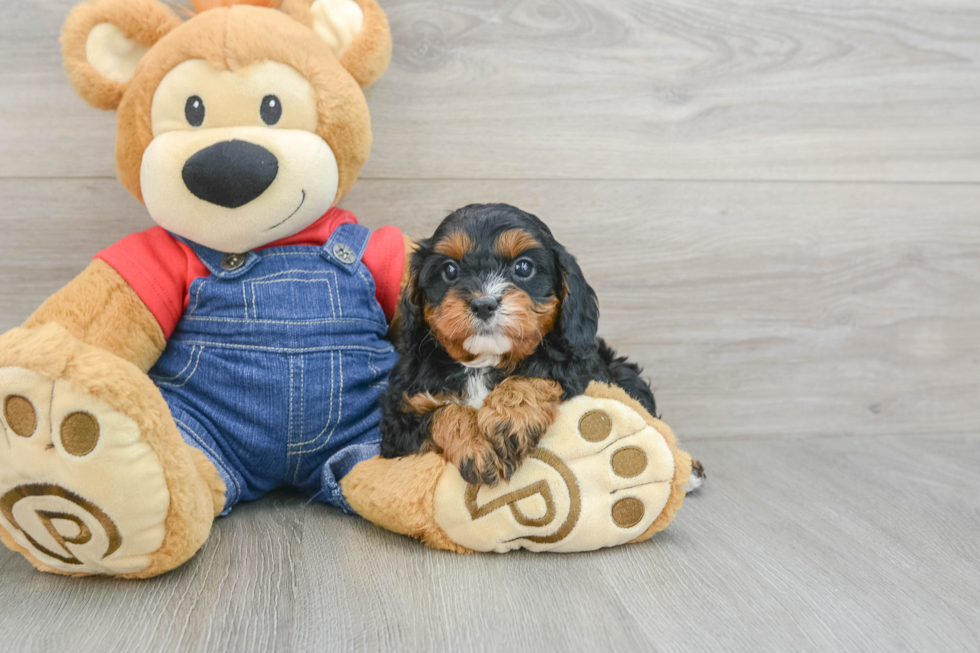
{"type": "Point", "coordinates": [455, 431]}
{"type": "Point", "coordinates": [454, 434]}
{"type": "Point", "coordinates": [515, 415]}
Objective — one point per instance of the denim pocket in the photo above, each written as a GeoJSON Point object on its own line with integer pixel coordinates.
{"type": "Point", "coordinates": [178, 365]}
{"type": "Point", "coordinates": [294, 296]}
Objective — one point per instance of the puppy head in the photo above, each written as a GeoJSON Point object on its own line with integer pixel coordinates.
{"type": "Point", "coordinates": [491, 283]}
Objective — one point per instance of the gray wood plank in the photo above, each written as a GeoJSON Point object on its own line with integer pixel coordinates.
{"type": "Point", "coordinates": [757, 309]}
{"type": "Point", "coordinates": [824, 544]}
{"type": "Point", "coordinates": [710, 89]}
{"type": "Point", "coordinates": [235, 595]}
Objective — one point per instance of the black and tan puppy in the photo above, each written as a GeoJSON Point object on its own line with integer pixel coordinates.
{"type": "Point", "coordinates": [498, 326]}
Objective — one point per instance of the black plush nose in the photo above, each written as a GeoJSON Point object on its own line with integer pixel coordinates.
{"type": "Point", "coordinates": [483, 307]}
{"type": "Point", "coordinates": [230, 174]}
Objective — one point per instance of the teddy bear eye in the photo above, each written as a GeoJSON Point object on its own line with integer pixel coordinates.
{"type": "Point", "coordinates": [194, 111]}
{"type": "Point", "coordinates": [271, 110]}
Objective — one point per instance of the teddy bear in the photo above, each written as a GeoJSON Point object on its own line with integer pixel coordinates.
{"type": "Point", "coordinates": [241, 344]}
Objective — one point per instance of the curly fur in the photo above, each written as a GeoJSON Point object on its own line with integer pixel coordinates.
{"type": "Point", "coordinates": [548, 325]}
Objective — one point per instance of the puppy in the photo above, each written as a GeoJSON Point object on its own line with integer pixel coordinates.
{"type": "Point", "coordinates": [497, 327]}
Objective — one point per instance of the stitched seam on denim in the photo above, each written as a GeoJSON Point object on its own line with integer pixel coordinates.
{"type": "Point", "coordinates": [289, 420]}
{"type": "Point", "coordinates": [329, 414]}
{"type": "Point", "coordinates": [340, 305]}
{"type": "Point", "coordinates": [189, 376]}
{"type": "Point", "coordinates": [379, 311]}
{"type": "Point", "coordinates": [340, 410]}
{"type": "Point", "coordinates": [324, 273]}
{"type": "Point", "coordinates": [215, 458]}
{"type": "Point", "coordinates": [284, 350]}
{"type": "Point", "coordinates": [349, 320]}
{"type": "Point", "coordinates": [197, 297]}
{"type": "Point", "coordinates": [190, 359]}
{"type": "Point", "coordinates": [315, 253]}
{"type": "Point", "coordinates": [302, 410]}
{"type": "Point", "coordinates": [377, 371]}
{"type": "Point", "coordinates": [245, 300]}
{"type": "Point", "coordinates": [330, 288]}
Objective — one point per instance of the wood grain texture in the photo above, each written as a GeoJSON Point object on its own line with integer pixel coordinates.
{"type": "Point", "coordinates": [712, 89]}
{"type": "Point", "coordinates": [817, 344]}
{"type": "Point", "coordinates": [826, 544]}
{"type": "Point", "coordinates": [758, 310]}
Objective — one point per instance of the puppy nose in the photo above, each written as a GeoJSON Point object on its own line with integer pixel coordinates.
{"type": "Point", "coordinates": [483, 307]}
{"type": "Point", "coordinates": [231, 173]}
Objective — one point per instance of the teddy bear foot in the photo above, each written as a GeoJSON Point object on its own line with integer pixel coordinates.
{"type": "Point", "coordinates": [602, 476]}
{"type": "Point", "coordinates": [87, 463]}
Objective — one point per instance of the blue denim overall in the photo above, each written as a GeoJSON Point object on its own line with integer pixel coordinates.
{"type": "Point", "coordinates": [276, 366]}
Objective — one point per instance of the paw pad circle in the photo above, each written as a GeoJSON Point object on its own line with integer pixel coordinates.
{"type": "Point", "coordinates": [628, 462]}
{"type": "Point", "coordinates": [79, 433]}
{"type": "Point", "coordinates": [20, 415]}
{"type": "Point", "coordinates": [595, 426]}
{"type": "Point", "coordinates": [627, 512]}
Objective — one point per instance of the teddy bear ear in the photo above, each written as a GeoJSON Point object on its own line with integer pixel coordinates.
{"type": "Point", "coordinates": [103, 41]}
{"type": "Point", "coordinates": [356, 30]}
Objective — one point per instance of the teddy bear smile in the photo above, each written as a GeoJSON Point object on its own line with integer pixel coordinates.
{"type": "Point", "coordinates": [279, 224]}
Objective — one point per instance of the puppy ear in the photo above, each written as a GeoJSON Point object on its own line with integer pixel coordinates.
{"type": "Point", "coordinates": [578, 320]}
{"type": "Point", "coordinates": [411, 305]}
{"type": "Point", "coordinates": [104, 40]}
{"type": "Point", "coordinates": [356, 30]}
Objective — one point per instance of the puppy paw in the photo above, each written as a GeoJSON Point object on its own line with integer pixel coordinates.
{"type": "Point", "coordinates": [463, 445]}
{"type": "Point", "coordinates": [514, 417]}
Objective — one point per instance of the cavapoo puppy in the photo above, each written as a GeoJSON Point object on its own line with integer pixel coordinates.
{"type": "Point", "coordinates": [498, 326]}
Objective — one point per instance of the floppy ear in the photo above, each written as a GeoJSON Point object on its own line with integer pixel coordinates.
{"type": "Point", "coordinates": [356, 30]}
{"type": "Point", "coordinates": [104, 40]}
{"type": "Point", "coordinates": [579, 317]}
{"type": "Point", "coordinates": [411, 305]}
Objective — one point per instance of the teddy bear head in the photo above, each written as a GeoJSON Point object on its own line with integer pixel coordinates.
{"type": "Point", "coordinates": [244, 123]}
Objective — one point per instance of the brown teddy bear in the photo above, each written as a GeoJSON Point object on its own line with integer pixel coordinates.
{"type": "Point", "coordinates": [241, 345]}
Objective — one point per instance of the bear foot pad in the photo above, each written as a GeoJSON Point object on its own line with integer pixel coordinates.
{"type": "Point", "coordinates": [80, 492]}
{"type": "Point", "coordinates": [600, 477]}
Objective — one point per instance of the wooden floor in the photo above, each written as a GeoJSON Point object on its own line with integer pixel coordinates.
{"type": "Point", "coordinates": [779, 206]}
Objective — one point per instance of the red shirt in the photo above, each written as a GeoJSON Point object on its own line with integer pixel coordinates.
{"type": "Point", "coordinates": [160, 268]}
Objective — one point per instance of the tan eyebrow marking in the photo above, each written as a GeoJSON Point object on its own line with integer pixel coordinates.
{"type": "Point", "coordinates": [455, 245]}
{"type": "Point", "coordinates": [514, 242]}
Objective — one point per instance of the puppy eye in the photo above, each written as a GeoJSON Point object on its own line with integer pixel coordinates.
{"type": "Point", "coordinates": [194, 111]}
{"type": "Point", "coordinates": [450, 271]}
{"type": "Point", "coordinates": [271, 110]}
{"type": "Point", "coordinates": [523, 269]}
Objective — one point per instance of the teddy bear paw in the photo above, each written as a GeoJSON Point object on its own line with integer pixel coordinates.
{"type": "Point", "coordinates": [80, 492]}
{"type": "Point", "coordinates": [600, 477]}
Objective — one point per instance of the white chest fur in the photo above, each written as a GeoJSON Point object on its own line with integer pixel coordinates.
{"type": "Point", "coordinates": [476, 386]}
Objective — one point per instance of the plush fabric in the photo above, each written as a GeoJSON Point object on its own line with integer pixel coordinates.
{"type": "Point", "coordinates": [160, 268]}
{"type": "Point", "coordinates": [143, 21]}
{"type": "Point", "coordinates": [51, 352]}
{"type": "Point", "coordinates": [592, 483]}
{"type": "Point", "coordinates": [102, 476]}
{"type": "Point", "coordinates": [233, 38]}
{"type": "Point", "coordinates": [101, 309]}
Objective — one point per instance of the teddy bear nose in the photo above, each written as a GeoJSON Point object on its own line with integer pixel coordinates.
{"type": "Point", "coordinates": [230, 173]}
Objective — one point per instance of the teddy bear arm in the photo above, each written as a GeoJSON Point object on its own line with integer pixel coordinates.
{"type": "Point", "coordinates": [101, 309]}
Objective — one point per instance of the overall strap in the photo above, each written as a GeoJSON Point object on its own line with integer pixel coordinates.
{"type": "Point", "coordinates": [221, 265]}
{"type": "Point", "coordinates": [346, 246]}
